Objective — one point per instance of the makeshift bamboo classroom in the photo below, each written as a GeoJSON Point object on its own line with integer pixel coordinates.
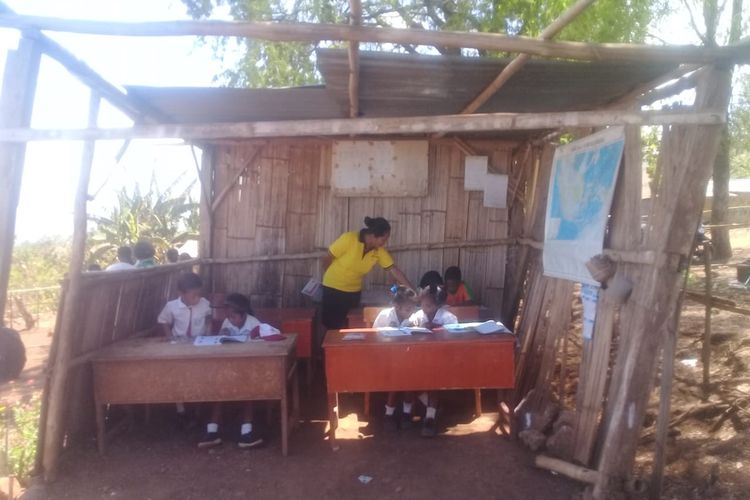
{"type": "Point", "coordinates": [268, 212]}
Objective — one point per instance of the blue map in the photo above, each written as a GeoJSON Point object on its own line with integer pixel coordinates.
{"type": "Point", "coordinates": [581, 192]}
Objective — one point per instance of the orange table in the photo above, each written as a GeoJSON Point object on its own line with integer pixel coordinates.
{"type": "Point", "coordinates": [157, 370]}
{"type": "Point", "coordinates": [420, 362]}
{"type": "Point", "coordinates": [299, 320]}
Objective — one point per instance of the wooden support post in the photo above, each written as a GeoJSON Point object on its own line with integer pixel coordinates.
{"type": "Point", "coordinates": [625, 233]}
{"type": "Point", "coordinates": [308, 32]}
{"type": "Point", "coordinates": [706, 349]}
{"type": "Point", "coordinates": [19, 86]}
{"type": "Point", "coordinates": [414, 125]}
{"type": "Point", "coordinates": [55, 424]}
{"type": "Point", "coordinates": [690, 154]}
{"type": "Point", "coordinates": [355, 19]}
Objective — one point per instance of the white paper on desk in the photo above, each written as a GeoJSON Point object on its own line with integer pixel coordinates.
{"type": "Point", "coordinates": [353, 336]}
{"type": "Point", "coordinates": [415, 329]}
{"type": "Point", "coordinates": [203, 340]}
{"type": "Point", "coordinates": [389, 331]}
{"type": "Point", "coordinates": [491, 327]}
{"type": "Point", "coordinates": [589, 299]}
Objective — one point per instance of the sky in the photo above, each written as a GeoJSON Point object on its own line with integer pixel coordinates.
{"type": "Point", "coordinates": [51, 168]}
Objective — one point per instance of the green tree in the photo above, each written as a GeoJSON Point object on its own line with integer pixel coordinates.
{"type": "Point", "coordinates": [39, 263]}
{"type": "Point", "coordinates": [273, 64]}
{"type": "Point", "coordinates": [711, 36]}
{"type": "Point", "coordinates": [739, 132]}
{"type": "Point", "coordinates": [167, 220]}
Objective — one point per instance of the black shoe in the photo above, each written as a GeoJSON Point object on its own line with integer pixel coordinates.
{"type": "Point", "coordinates": [209, 440]}
{"type": "Point", "coordinates": [429, 428]}
{"type": "Point", "coordinates": [390, 423]}
{"type": "Point", "coordinates": [249, 440]}
{"type": "Point", "coordinates": [406, 422]}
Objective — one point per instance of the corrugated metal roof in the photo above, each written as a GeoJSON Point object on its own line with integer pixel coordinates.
{"type": "Point", "coordinates": [410, 85]}
{"type": "Point", "coordinates": [214, 105]}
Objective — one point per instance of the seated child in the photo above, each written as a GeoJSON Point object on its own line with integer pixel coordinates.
{"type": "Point", "coordinates": [239, 321]}
{"type": "Point", "coordinates": [458, 293]}
{"type": "Point", "coordinates": [430, 278]}
{"type": "Point", "coordinates": [403, 307]}
{"type": "Point", "coordinates": [404, 303]}
{"type": "Point", "coordinates": [189, 315]}
{"type": "Point", "coordinates": [431, 315]}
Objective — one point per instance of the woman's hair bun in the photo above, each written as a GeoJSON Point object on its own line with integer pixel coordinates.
{"type": "Point", "coordinates": [368, 221]}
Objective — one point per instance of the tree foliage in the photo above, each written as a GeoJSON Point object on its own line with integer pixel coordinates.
{"type": "Point", "coordinates": [273, 64]}
{"type": "Point", "coordinates": [739, 132]}
{"type": "Point", "coordinates": [166, 219]}
{"type": "Point", "coordinates": [40, 263]}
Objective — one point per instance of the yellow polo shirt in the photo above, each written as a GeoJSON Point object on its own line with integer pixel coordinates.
{"type": "Point", "coordinates": [350, 265]}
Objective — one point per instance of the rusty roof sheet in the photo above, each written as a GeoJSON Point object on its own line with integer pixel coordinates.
{"type": "Point", "coordinates": [394, 84]}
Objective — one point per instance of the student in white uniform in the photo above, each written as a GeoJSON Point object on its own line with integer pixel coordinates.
{"type": "Point", "coordinates": [404, 303]}
{"type": "Point", "coordinates": [432, 315]}
{"type": "Point", "coordinates": [239, 321]}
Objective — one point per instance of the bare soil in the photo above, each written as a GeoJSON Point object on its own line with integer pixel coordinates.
{"type": "Point", "coordinates": [708, 455]}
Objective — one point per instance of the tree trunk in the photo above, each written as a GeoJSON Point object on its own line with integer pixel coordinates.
{"type": "Point", "coordinates": [722, 246]}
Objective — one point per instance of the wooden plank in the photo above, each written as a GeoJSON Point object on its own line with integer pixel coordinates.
{"type": "Point", "coordinates": [19, 87]}
{"type": "Point", "coordinates": [489, 122]}
{"type": "Point", "coordinates": [307, 32]}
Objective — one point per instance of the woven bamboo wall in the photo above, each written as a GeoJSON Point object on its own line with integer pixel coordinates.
{"type": "Point", "coordinates": [282, 204]}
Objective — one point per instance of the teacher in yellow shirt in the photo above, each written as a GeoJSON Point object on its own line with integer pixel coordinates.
{"type": "Point", "coordinates": [349, 259]}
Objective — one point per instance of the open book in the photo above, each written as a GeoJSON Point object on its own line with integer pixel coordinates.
{"type": "Point", "coordinates": [219, 339]}
{"type": "Point", "coordinates": [485, 328]}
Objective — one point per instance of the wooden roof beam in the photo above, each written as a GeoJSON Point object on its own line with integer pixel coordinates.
{"type": "Point", "coordinates": [307, 32]}
{"type": "Point", "coordinates": [355, 19]}
{"type": "Point", "coordinates": [520, 60]}
{"type": "Point", "coordinates": [420, 125]}
{"type": "Point", "coordinates": [135, 109]}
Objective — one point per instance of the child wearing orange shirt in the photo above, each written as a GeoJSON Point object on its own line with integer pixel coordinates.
{"type": "Point", "coordinates": [458, 293]}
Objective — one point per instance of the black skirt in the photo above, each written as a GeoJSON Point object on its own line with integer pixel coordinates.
{"type": "Point", "coordinates": [336, 306]}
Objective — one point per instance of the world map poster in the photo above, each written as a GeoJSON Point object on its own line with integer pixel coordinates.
{"type": "Point", "coordinates": [584, 174]}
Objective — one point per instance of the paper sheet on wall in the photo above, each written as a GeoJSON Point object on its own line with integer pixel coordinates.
{"type": "Point", "coordinates": [589, 299]}
{"type": "Point", "coordinates": [495, 190]}
{"type": "Point", "coordinates": [581, 188]}
{"type": "Point", "coordinates": [475, 171]}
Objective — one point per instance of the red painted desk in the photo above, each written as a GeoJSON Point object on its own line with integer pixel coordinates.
{"type": "Point", "coordinates": [420, 362]}
{"type": "Point", "coordinates": [157, 370]}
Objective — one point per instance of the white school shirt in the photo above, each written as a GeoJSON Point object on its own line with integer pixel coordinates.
{"type": "Point", "coordinates": [178, 314]}
{"type": "Point", "coordinates": [387, 317]}
{"type": "Point", "coordinates": [120, 266]}
{"type": "Point", "coordinates": [227, 328]}
{"type": "Point", "coordinates": [442, 317]}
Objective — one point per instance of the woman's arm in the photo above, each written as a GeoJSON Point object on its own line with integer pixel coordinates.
{"type": "Point", "coordinates": [327, 260]}
{"type": "Point", "coordinates": [400, 277]}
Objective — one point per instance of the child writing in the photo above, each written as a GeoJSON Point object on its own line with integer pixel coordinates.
{"type": "Point", "coordinates": [189, 315]}
{"type": "Point", "coordinates": [431, 315]}
{"type": "Point", "coordinates": [458, 293]}
{"type": "Point", "coordinates": [403, 307]}
{"type": "Point", "coordinates": [239, 321]}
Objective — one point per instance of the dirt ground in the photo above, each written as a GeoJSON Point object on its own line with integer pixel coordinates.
{"type": "Point", "coordinates": [708, 455]}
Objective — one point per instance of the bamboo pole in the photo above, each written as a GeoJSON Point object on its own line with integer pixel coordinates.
{"type": "Point", "coordinates": [129, 105]}
{"type": "Point", "coordinates": [375, 126]}
{"type": "Point", "coordinates": [520, 60]}
{"type": "Point", "coordinates": [676, 214]}
{"type": "Point", "coordinates": [355, 19]}
{"type": "Point", "coordinates": [55, 424]}
{"type": "Point", "coordinates": [224, 192]}
{"type": "Point", "coordinates": [19, 87]}
{"type": "Point", "coordinates": [706, 348]}
{"type": "Point", "coordinates": [572, 471]}
{"type": "Point", "coordinates": [307, 32]}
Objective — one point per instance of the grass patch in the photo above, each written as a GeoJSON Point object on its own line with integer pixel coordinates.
{"type": "Point", "coordinates": [19, 427]}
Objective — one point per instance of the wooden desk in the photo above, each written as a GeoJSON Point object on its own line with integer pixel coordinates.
{"type": "Point", "coordinates": [420, 362]}
{"type": "Point", "coordinates": [157, 370]}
